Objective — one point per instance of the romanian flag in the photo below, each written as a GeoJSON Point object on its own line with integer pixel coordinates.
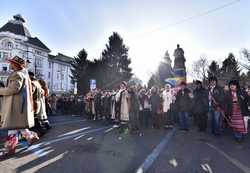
{"type": "Point", "coordinates": [174, 81]}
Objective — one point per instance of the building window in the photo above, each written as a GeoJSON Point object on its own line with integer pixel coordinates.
{"type": "Point", "coordinates": [50, 64]}
{"type": "Point", "coordinates": [49, 75]}
{"type": "Point", "coordinates": [6, 44]}
{"type": "Point", "coordinates": [5, 55]}
{"type": "Point", "coordinates": [63, 68]}
{"type": "Point", "coordinates": [38, 63]}
{"type": "Point", "coordinates": [5, 68]}
{"type": "Point", "coordinates": [38, 52]}
{"type": "Point", "coordinates": [58, 76]}
{"type": "Point", "coordinates": [10, 45]}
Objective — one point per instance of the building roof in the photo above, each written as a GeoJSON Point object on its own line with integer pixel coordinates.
{"type": "Point", "coordinates": [17, 27]}
{"type": "Point", "coordinates": [36, 42]}
{"type": "Point", "coordinates": [61, 57]}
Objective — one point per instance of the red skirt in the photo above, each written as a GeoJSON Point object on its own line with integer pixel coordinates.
{"type": "Point", "coordinates": [237, 120]}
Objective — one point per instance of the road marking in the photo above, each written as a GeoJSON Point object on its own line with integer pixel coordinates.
{"type": "Point", "coordinates": [38, 148]}
{"type": "Point", "coordinates": [112, 128]}
{"type": "Point", "coordinates": [78, 137]}
{"type": "Point", "coordinates": [235, 162]}
{"type": "Point", "coordinates": [153, 156]}
{"type": "Point", "coordinates": [67, 122]}
{"type": "Point", "coordinates": [46, 163]}
{"type": "Point", "coordinates": [90, 138]}
{"type": "Point", "coordinates": [74, 131]}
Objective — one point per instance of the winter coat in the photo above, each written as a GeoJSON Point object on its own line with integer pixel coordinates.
{"type": "Point", "coordinates": [144, 102]}
{"type": "Point", "coordinates": [200, 101]}
{"type": "Point", "coordinates": [242, 100]}
{"type": "Point", "coordinates": [155, 101]}
{"type": "Point", "coordinates": [134, 105]}
{"type": "Point", "coordinates": [17, 104]}
{"type": "Point", "coordinates": [183, 100]}
{"type": "Point", "coordinates": [218, 94]}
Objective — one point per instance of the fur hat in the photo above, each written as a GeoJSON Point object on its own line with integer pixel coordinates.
{"type": "Point", "coordinates": [183, 83]}
{"type": "Point", "coordinates": [16, 60]}
{"type": "Point", "coordinates": [234, 82]}
{"type": "Point", "coordinates": [212, 78]}
{"type": "Point", "coordinates": [125, 83]}
{"type": "Point", "coordinates": [198, 82]}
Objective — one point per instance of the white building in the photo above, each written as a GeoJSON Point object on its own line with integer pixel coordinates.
{"type": "Point", "coordinates": [15, 39]}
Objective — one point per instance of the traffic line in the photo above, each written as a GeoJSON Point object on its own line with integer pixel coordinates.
{"type": "Point", "coordinates": [78, 137]}
{"type": "Point", "coordinates": [38, 167]}
{"type": "Point", "coordinates": [153, 156]}
{"type": "Point", "coordinates": [235, 162]}
{"type": "Point", "coordinates": [67, 122]}
{"type": "Point", "coordinates": [74, 131]}
{"type": "Point", "coordinates": [38, 149]}
{"type": "Point", "coordinates": [112, 128]}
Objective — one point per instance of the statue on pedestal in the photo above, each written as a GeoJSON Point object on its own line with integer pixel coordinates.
{"type": "Point", "coordinates": [179, 64]}
{"type": "Point", "coordinates": [179, 61]}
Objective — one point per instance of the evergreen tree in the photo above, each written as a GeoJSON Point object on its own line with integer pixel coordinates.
{"type": "Point", "coordinates": [230, 68]}
{"type": "Point", "coordinates": [115, 61]}
{"type": "Point", "coordinates": [152, 81]}
{"type": "Point", "coordinates": [213, 69]}
{"type": "Point", "coordinates": [246, 59]}
{"type": "Point", "coordinates": [165, 70]}
{"type": "Point", "coordinates": [79, 71]}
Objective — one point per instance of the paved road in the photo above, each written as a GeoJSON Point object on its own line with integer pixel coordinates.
{"type": "Point", "coordinates": [75, 145]}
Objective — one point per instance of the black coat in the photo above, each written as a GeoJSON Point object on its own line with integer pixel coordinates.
{"type": "Point", "coordinates": [242, 100]}
{"type": "Point", "coordinates": [183, 100]}
{"type": "Point", "coordinates": [200, 101]}
{"type": "Point", "coordinates": [219, 96]}
{"type": "Point", "coordinates": [155, 101]}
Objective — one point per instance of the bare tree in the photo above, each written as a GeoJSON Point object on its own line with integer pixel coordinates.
{"type": "Point", "coordinates": [199, 68]}
{"type": "Point", "coordinates": [246, 59]}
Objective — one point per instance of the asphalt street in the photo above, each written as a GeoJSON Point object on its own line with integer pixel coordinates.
{"type": "Point", "coordinates": [77, 145]}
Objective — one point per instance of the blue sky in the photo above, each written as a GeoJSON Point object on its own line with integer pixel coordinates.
{"type": "Point", "coordinates": [68, 26]}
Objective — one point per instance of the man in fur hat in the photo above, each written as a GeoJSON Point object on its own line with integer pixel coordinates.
{"type": "Point", "coordinates": [17, 106]}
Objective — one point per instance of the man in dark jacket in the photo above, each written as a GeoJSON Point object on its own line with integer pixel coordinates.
{"type": "Point", "coordinates": [183, 103]}
{"type": "Point", "coordinates": [200, 106]}
{"type": "Point", "coordinates": [98, 105]}
{"type": "Point", "coordinates": [216, 104]}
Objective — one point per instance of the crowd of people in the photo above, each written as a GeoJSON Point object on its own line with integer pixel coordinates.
{"type": "Point", "coordinates": [25, 104]}
{"type": "Point", "coordinates": [139, 107]}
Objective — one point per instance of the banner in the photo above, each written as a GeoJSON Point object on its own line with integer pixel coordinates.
{"type": "Point", "coordinates": [174, 81]}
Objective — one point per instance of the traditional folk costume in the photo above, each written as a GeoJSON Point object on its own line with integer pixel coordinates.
{"type": "Point", "coordinates": [41, 118]}
{"type": "Point", "coordinates": [237, 119]}
{"type": "Point", "coordinates": [167, 97]}
{"type": "Point", "coordinates": [17, 106]}
{"type": "Point", "coordinates": [122, 105]}
{"type": "Point", "coordinates": [112, 107]}
{"type": "Point", "coordinates": [216, 105]}
{"type": "Point", "coordinates": [238, 112]}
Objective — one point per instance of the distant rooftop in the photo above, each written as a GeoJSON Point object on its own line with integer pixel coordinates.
{"type": "Point", "coordinates": [17, 27]}
{"type": "Point", "coordinates": [61, 57]}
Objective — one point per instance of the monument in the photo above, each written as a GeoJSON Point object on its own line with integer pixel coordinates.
{"type": "Point", "coordinates": [179, 64]}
